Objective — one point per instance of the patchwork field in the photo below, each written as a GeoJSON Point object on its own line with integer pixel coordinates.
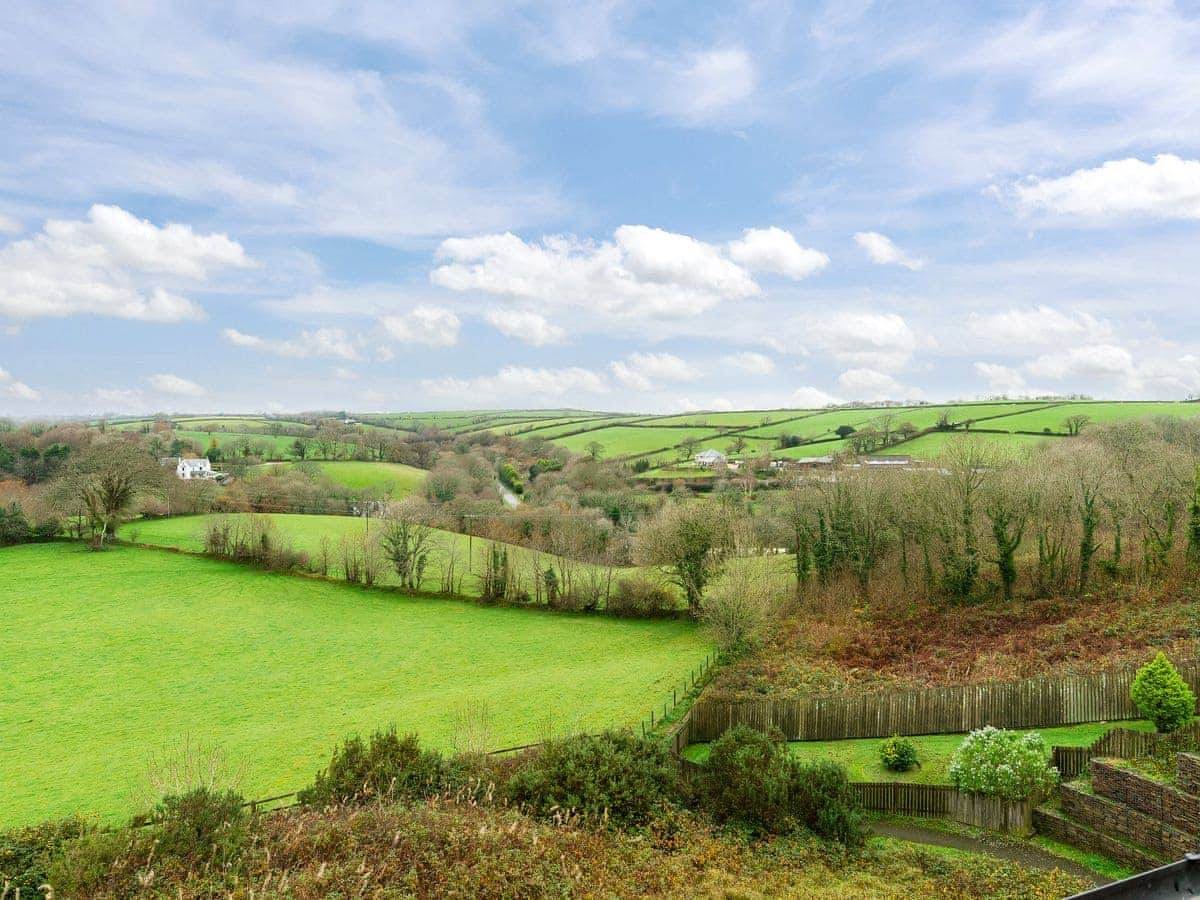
{"type": "Point", "coordinates": [129, 653]}
{"type": "Point", "coordinates": [383, 478]}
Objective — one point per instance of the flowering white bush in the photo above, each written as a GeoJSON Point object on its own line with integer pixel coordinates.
{"type": "Point", "coordinates": [1003, 764]}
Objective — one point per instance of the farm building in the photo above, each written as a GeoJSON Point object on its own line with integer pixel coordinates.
{"type": "Point", "coordinates": [710, 458]}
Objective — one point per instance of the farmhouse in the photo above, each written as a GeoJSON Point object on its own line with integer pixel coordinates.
{"type": "Point", "coordinates": [187, 469]}
{"type": "Point", "coordinates": [710, 458]}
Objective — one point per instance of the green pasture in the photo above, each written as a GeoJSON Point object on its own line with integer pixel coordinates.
{"type": "Point", "coordinates": [861, 757]}
{"type": "Point", "coordinates": [931, 446]}
{"type": "Point", "coordinates": [378, 478]}
{"type": "Point", "coordinates": [116, 657]}
{"type": "Point", "coordinates": [304, 533]}
{"type": "Point", "coordinates": [745, 419]}
{"type": "Point", "coordinates": [1098, 412]}
{"type": "Point", "coordinates": [625, 440]}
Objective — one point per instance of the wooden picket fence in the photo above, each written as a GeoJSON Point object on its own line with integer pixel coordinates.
{"type": "Point", "coordinates": [1042, 702]}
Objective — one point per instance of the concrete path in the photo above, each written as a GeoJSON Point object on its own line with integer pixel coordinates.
{"type": "Point", "coordinates": [1026, 855]}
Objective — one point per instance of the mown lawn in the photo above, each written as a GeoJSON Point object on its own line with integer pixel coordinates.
{"type": "Point", "coordinates": [110, 658]}
{"type": "Point", "coordinates": [861, 757]}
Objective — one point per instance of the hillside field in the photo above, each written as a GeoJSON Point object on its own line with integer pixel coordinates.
{"type": "Point", "coordinates": [391, 479]}
{"type": "Point", "coordinates": [130, 653]}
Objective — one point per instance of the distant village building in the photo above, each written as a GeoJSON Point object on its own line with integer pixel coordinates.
{"type": "Point", "coordinates": [710, 458]}
{"type": "Point", "coordinates": [888, 461]}
{"type": "Point", "coordinates": [187, 469]}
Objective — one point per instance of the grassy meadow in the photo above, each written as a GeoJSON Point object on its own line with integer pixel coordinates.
{"type": "Point", "coordinates": [127, 654]}
{"type": "Point", "coordinates": [391, 479]}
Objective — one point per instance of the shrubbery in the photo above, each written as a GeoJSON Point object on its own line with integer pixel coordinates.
{"type": "Point", "coordinates": [15, 528]}
{"type": "Point", "coordinates": [1162, 695]}
{"type": "Point", "coordinates": [898, 754]}
{"type": "Point", "coordinates": [201, 826]}
{"type": "Point", "coordinates": [385, 766]}
{"type": "Point", "coordinates": [254, 539]}
{"type": "Point", "coordinates": [1004, 764]}
{"type": "Point", "coordinates": [614, 775]}
{"type": "Point", "coordinates": [26, 854]}
{"type": "Point", "coordinates": [640, 598]}
{"type": "Point", "coordinates": [751, 779]}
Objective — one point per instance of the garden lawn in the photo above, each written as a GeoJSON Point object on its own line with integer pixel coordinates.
{"type": "Point", "coordinates": [861, 757]}
{"type": "Point", "coordinates": [112, 657]}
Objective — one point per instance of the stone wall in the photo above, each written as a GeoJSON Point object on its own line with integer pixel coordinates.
{"type": "Point", "coordinates": [1162, 802]}
{"type": "Point", "coordinates": [1111, 818]}
{"type": "Point", "coordinates": [1187, 767]}
{"type": "Point", "coordinates": [1054, 825]}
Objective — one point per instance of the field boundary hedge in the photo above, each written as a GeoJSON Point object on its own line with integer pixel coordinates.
{"type": "Point", "coordinates": [1042, 702]}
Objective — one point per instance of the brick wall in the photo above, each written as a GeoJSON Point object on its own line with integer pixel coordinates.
{"type": "Point", "coordinates": [1162, 802]}
{"type": "Point", "coordinates": [1111, 818]}
{"type": "Point", "coordinates": [1187, 768]}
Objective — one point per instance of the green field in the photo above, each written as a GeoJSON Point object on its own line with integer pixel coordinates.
{"type": "Point", "coordinates": [1098, 412]}
{"type": "Point", "coordinates": [930, 446]}
{"type": "Point", "coordinates": [114, 657]}
{"type": "Point", "coordinates": [624, 440]}
{"type": "Point", "coordinates": [861, 757]}
{"type": "Point", "coordinates": [305, 533]}
{"type": "Point", "coordinates": [384, 478]}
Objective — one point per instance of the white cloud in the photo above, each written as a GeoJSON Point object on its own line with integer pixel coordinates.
{"type": "Point", "coordinates": [809, 397]}
{"type": "Point", "coordinates": [17, 390]}
{"type": "Point", "coordinates": [1001, 379]}
{"type": "Point", "coordinates": [329, 343]}
{"type": "Point", "coordinates": [430, 325]}
{"type": "Point", "coordinates": [882, 250]}
{"type": "Point", "coordinates": [176, 386]}
{"type": "Point", "coordinates": [643, 371]}
{"type": "Point", "coordinates": [705, 85]}
{"type": "Point", "coordinates": [525, 325]}
{"type": "Point", "coordinates": [111, 264]}
{"type": "Point", "coordinates": [775, 250]}
{"type": "Point", "coordinates": [1037, 326]}
{"type": "Point", "coordinates": [517, 385]}
{"type": "Point", "coordinates": [1167, 188]}
{"type": "Point", "coordinates": [750, 363]}
{"type": "Point", "coordinates": [9, 225]}
{"type": "Point", "coordinates": [642, 272]}
{"type": "Point", "coordinates": [119, 398]}
{"type": "Point", "coordinates": [1098, 361]}
{"type": "Point", "coordinates": [869, 385]}
{"type": "Point", "coordinates": [873, 340]}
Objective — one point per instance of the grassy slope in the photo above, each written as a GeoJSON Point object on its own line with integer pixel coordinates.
{"type": "Point", "coordinates": [305, 532]}
{"type": "Point", "coordinates": [397, 479]}
{"type": "Point", "coordinates": [130, 651]}
{"type": "Point", "coordinates": [861, 757]}
{"type": "Point", "coordinates": [1098, 412]}
{"type": "Point", "coordinates": [929, 446]}
{"type": "Point", "coordinates": [623, 441]}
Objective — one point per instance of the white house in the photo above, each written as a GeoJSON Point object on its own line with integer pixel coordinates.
{"type": "Point", "coordinates": [188, 469]}
{"type": "Point", "coordinates": [710, 458]}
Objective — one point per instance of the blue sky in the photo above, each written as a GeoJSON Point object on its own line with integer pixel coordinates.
{"type": "Point", "coordinates": [610, 205]}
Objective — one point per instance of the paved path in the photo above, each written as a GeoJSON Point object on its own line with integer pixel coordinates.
{"type": "Point", "coordinates": [1026, 855]}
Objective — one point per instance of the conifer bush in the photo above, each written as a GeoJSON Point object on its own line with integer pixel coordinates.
{"type": "Point", "coordinates": [1162, 696]}
{"type": "Point", "coordinates": [898, 754]}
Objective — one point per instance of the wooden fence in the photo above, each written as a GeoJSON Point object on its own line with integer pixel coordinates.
{"type": "Point", "coordinates": [1123, 743]}
{"type": "Point", "coordinates": [944, 801]}
{"type": "Point", "coordinates": [1031, 703]}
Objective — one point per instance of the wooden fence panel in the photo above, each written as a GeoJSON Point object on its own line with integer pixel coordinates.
{"type": "Point", "coordinates": [1032, 703]}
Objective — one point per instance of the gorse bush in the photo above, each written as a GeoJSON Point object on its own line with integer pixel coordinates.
{"type": "Point", "coordinates": [385, 766]}
{"type": "Point", "coordinates": [1004, 764]}
{"type": "Point", "coordinates": [203, 825]}
{"type": "Point", "coordinates": [750, 779]}
{"type": "Point", "coordinates": [898, 754]}
{"type": "Point", "coordinates": [26, 854]}
{"type": "Point", "coordinates": [1162, 696]}
{"type": "Point", "coordinates": [614, 775]}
